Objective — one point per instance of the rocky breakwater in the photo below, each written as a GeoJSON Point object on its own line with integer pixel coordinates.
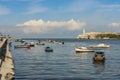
{"type": "Point", "coordinates": [6, 62]}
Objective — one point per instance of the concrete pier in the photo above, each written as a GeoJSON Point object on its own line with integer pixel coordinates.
{"type": "Point", "coordinates": [6, 62]}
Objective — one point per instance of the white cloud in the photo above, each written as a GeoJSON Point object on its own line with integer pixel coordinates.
{"type": "Point", "coordinates": [115, 24]}
{"type": "Point", "coordinates": [41, 26]}
{"type": "Point", "coordinates": [4, 10]}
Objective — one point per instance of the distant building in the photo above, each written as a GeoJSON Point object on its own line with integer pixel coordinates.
{"type": "Point", "coordinates": [99, 35]}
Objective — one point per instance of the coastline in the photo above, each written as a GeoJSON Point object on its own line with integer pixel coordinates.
{"type": "Point", "coordinates": [7, 64]}
{"type": "Point", "coordinates": [99, 35]}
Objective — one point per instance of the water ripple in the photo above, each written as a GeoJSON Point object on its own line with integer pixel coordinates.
{"type": "Point", "coordinates": [65, 64]}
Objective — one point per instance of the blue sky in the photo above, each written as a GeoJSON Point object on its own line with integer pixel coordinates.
{"type": "Point", "coordinates": [58, 18]}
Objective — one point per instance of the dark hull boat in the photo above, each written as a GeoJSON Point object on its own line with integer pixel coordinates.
{"type": "Point", "coordinates": [22, 46]}
{"type": "Point", "coordinates": [99, 56]}
{"type": "Point", "coordinates": [48, 49]}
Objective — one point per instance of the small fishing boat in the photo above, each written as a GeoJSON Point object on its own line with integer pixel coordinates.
{"type": "Point", "coordinates": [99, 56]}
{"type": "Point", "coordinates": [22, 46]}
{"type": "Point", "coordinates": [20, 40]}
{"type": "Point", "coordinates": [102, 45]}
{"type": "Point", "coordinates": [32, 44]}
{"type": "Point", "coordinates": [83, 49]}
{"type": "Point", "coordinates": [48, 49]}
{"type": "Point", "coordinates": [39, 43]}
{"type": "Point", "coordinates": [58, 42]}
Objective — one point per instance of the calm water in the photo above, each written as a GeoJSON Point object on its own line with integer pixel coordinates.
{"type": "Point", "coordinates": [65, 64]}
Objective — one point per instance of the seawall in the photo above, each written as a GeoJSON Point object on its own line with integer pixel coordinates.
{"type": "Point", "coordinates": [6, 62]}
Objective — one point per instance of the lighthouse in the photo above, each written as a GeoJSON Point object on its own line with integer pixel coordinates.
{"type": "Point", "coordinates": [83, 31]}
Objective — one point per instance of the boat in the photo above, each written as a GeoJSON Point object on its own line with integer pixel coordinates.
{"type": "Point", "coordinates": [99, 56]}
{"type": "Point", "coordinates": [58, 42]}
{"type": "Point", "coordinates": [48, 49]}
{"type": "Point", "coordinates": [102, 45]}
{"type": "Point", "coordinates": [22, 46]}
{"type": "Point", "coordinates": [39, 43]}
{"type": "Point", "coordinates": [32, 44]}
{"type": "Point", "coordinates": [20, 40]}
{"type": "Point", "coordinates": [83, 49]}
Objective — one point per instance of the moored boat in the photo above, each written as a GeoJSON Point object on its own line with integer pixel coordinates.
{"type": "Point", "coordinates": [48, 49]}
{"type": "Point", "coordinates": [22, 46]}
{"type": "Point", "coordinates": [39, 43]}
{"type": "Point", "coordinates": [99, 56]}
{"type": "Point", "coordinates": [83, 49]}
{"type": "Point", "coordinates": [20, 40]}
{"type": "Point", "coordinates": [102, 45]}
{"type": "Point", "coordinates": [32, 44]}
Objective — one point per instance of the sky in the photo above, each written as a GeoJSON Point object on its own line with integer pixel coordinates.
{"type": "Point", "coordinates": [58, 18]}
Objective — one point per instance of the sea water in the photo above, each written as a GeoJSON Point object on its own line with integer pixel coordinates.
{"type": "Point", "coordinates": [64, 63]}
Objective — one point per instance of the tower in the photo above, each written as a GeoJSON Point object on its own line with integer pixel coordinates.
{"type": "Point", "coordinates": [83, 31]}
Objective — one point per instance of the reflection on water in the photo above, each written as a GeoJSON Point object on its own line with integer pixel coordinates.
{"type": "Point", "coordinates": [99, 68]}
{"type": "Point", "coordinates": [83, 52]}
{"type": "Point", "coordinates": [99, 62]}
{"type": "Point", "coordinates": [65, 64]}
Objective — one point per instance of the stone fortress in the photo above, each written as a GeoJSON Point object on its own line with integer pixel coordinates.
{"type": "Point", "coordinates": [99, 35]}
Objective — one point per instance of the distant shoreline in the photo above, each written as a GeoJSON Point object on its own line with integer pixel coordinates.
{"type": "Point", "coordinates": [99, 35]}
{"type": "Point", "coordinates": [61, 39]}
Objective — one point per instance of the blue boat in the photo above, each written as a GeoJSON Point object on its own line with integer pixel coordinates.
{"type": "Point", "coordinates": [48, 49]}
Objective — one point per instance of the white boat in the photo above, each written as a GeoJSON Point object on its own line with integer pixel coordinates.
{"type": "Point", "coordinates": [102, 45]}
{"type": "Point", "coordinates": [83, 49]}
{"type": "Point", "coordinates": [31, 44]}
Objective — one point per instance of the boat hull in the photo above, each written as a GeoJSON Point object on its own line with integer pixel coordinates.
{"type": "Point", "coordinates": [83, 50]}
{"type": "Point", "coordinates": [48, 50]}
{"type": "Point", "coordinates": [100, 46]}
{"type": "Point", "coordinates": [99, 56]}
{"type": "Point", "coordinates": [22, 46]}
